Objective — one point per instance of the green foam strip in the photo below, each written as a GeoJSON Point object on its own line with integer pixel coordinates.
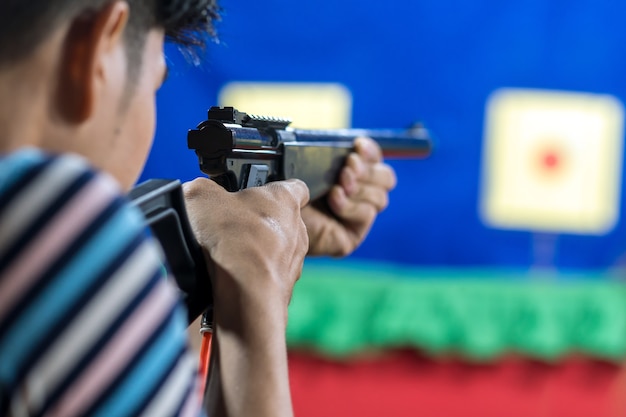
{"type": "Point", "coordinates": [343, 308]}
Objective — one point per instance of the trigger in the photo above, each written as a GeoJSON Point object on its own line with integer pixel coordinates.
{"type": "Point", "coordinates": [257, 176]}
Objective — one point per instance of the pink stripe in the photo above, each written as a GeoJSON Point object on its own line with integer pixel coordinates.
{"type": "Point", "coordinates": [193, 402]}
{"type": "Point", "coordinates": [52, 240]}
{"type": "Point", "coordinates": [117, 353]}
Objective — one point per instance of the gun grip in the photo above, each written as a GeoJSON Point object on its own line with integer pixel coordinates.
{"type": "Point", "coordinates": [162, 203]}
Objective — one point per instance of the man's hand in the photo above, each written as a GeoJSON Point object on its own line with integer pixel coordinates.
{"type": "Point", "coordinates": [354, 203]}
{"type": "Point", "coordinates": [254, 238]}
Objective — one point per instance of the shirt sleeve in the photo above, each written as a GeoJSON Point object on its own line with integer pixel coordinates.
{"type": "Point", "coordinates": [89, 322]}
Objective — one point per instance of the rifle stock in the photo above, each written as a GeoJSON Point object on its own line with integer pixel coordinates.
{"type": "Point", "coordinates": [162, 204]}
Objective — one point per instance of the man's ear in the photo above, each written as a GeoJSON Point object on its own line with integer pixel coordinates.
{"type": "Point", "coordinates": [90, 53]}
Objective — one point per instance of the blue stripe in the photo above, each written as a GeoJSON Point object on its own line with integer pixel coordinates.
{"type": "Point", "coordinates": [23, 337]}
{"type": "Point", "coordinates": [82, 362]}
{"type": "Point", "coordinates": [13, 166]}
{"type": "Point", "coordinates": [149, 370]}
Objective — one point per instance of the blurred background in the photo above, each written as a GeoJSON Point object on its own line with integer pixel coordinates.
{"type": "Point", "coordinates": [492, 285]}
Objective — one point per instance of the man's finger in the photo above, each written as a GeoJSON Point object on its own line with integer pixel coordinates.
{"type": "Point", "coordinates": [369, 149]}
{"type": "Point", "coordinates": [372, 173]}
{"type": "Point", "coordinates": [371, 194]}
{"type": "Point", "coordinates": [382, 175]}
{"type": "Point", "coordinates": [299, 190]}
{"type": "Point", "coordinates": [353, 211]}
{"type": "Point", "coordinates": [367, 194]}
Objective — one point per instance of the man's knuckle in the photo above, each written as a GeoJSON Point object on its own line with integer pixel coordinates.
{"type": "Point", "coordinates": [344, 250]}
{"type": "Point", "coordinates": [195, 188]}
{"type": "Point", "coordinates": [370, 212]}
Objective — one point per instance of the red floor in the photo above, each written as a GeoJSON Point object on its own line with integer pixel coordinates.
{"type": "Point", "coordinates": [407, 384]}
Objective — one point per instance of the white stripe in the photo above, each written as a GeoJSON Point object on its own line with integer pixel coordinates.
{"type": "Point", "coordinates": [35, 198]}
{"type": "Point", "coordinates": [171, 394]}
{"type": "Point", "coordinates": [116, 354]}
{"type": "Point", "coordinates": [93, 320]}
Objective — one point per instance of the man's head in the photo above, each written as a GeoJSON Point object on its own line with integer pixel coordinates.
{"type": "Point", "coordinates": [81, 75]}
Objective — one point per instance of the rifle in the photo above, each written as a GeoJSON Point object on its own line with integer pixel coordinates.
{"type": "Point", "coordinates": [238, 151]}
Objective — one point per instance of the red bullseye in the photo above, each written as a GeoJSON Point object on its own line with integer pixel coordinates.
{"type": "Point", "coordinates": [551, 160]}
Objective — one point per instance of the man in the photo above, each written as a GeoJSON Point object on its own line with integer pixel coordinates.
{"type": "Point", "coordinates": [88, 325]}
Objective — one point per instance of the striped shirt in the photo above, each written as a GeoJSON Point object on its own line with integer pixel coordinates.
{"type": "Point", "coordinates": [89, 324]}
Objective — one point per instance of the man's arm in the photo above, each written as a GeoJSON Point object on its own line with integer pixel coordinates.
{"type": "Point", "coordinates": [256, 261]}
{"type": "Point", "coordinates": [255, 242]}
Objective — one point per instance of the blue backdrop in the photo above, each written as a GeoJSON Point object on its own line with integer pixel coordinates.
{"type": "Point", "coordinates": [403, 60]}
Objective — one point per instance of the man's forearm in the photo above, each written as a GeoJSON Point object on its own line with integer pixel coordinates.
{"type": "Point", "coordinates": [249, 374]}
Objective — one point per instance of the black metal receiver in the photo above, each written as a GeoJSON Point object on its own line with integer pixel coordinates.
{"type": "Point", "coordinates": [239, 150]}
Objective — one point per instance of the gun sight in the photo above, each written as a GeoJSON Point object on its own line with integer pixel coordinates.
{"type": "Point", "coordinates": [233, 116]}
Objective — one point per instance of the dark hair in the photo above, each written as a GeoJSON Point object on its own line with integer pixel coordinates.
{"type": "Point", "coordinates": [24, 24]}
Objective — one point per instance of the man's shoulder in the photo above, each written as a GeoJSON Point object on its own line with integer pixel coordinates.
{"type": "Point", "coordinates": [63, 199]}
{"type": "Point", "coordinates": [34, 165]}
{"type": "Point", "coordinates": [82, 295]}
